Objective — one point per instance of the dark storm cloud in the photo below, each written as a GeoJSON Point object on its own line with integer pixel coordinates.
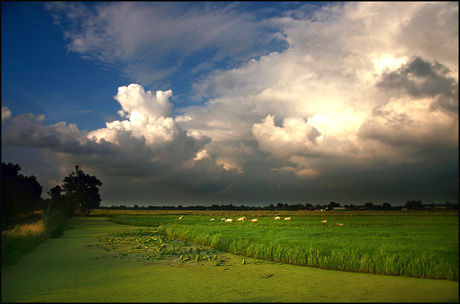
{"type": "Point", "coordinates": [421, 109]}
{"type": "Point", "coordinates": [421, 78]}
{"type": "Point", "coordinates": [30, 130]}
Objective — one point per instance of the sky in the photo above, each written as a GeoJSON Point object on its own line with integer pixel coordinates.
{"type": "Point", "coordinates": [248, 103]}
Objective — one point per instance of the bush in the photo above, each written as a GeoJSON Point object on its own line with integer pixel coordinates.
{"type": "Point", "coordinates": [55, 222]}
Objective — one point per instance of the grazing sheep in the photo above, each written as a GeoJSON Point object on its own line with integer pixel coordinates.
{"type": "Point", "coordinates": [241, 219]}
{"type": "Point", "coordinates": [211, 220]}
{"type": "Point", "coordinates": [223, 219]}
{"type": "Point", "coordinates": [287, 218]}
{"type": "Point", "coordinates": [229, 220]}
{"type": "Point", "coordinates": [181, 217]}
{"type": "Point", "coordinates": [325, 221]}
{"type": "Point", "coordinates": [254, 221]}
{"type": "Point", "coordinates": [277, 218]}
{"type": "Point", "coordinates": [340, 224]}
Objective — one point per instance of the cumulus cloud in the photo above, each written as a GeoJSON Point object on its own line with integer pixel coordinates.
{"type": "Point", "coordinates": [348, 94]}
{"type": "Point", "coordinates": [145, 145]}
{"type": "Point", "coordinates": [419, 79]}
{"type": "Point", "coordinates": [148, 117]}
{"type": "Point", "coordinates": [148, 132]}
{"type": "Point", "coordinates": [293, 138]}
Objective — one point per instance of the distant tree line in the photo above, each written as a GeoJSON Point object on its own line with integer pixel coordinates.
{"type": "Point", "coordinates": [410, 205]}
{"type": "Point", "coordinates": [79, 194]}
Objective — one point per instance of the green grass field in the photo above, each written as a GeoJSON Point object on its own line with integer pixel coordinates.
{"type": "Point", "coordinates": [412, 244]}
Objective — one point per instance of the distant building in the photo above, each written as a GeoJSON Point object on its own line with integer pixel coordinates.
{"type": "Point", "coordinates": [338, 209]}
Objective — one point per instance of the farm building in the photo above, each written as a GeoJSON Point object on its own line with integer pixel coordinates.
{"type": "Point", "coordinates": [338, 209]}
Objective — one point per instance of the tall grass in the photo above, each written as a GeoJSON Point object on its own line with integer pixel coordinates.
{"type": "Point", "coordinates": [21, 240]}
{"type": "Point", "coordinates": [415, 244]}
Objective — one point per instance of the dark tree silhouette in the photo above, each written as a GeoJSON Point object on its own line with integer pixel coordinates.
{"type": "Point", "coordinates": [81, 191]}
{"type": "Point", "coordinates": [386, 206]}
{"type": "Point", "coordinates": [414, 205]}
{"type": "Point", "coordinates": [21, 195]}
{"type": "Point", "coordinates": [58, 201]}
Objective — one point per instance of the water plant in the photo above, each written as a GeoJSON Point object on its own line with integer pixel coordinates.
{"type": "Point", "coordinates": [146, 244]}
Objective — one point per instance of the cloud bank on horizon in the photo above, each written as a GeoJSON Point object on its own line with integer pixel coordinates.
{"type": "Point", "coordinates": [350, 102]}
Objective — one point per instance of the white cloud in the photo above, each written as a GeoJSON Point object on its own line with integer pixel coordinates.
{"type": "Point", "coordinates": [296, 136]}
{"type": "Point", "coordinates": [148, 133]}
{"type": "Point", "coordinates": [148, 117]}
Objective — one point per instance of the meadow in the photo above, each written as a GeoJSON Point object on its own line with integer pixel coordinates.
{"type": "Point", "coordinates": [411, 244]}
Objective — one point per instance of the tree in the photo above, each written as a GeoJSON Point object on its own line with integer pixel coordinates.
{"type": "Point", "coordinates": [58, 201]}
{"type": "Point", "coordinates": [369, 206]}
{"type": "Point", "coordinates": [21, 195]}
{"type": "Point", "coordinates": [386, 206]}
{"type": "Point", "coordinates": [414, 205]}
{"type": "Point", "coordinates": [332, 205]}
{"type": "Point", "coordinates": [81, 191]}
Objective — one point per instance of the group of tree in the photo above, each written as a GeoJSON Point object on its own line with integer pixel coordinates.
{"type": "Point", "coordinates": [78, 193]}
{"type": "Point", "coordinates": [21, 195]}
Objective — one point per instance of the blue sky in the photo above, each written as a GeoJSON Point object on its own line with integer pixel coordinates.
{"type": "Point", "coordinates": [251, 102]}
{"type": "Point", "coordinates": [40, 76]}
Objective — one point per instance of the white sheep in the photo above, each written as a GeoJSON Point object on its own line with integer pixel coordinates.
{"type": "Point", "coordinates": [325, 221]}
{"type": "Point", "coordinates": [340, 224]}
{"type": "Point", "coordinates": [223, 219]}
{"type": "Point", "coordinates": [254, 221]}
{"type": "Point", "coordinates": [229, 220]}
{"type": "Point", "coordinates": [241, 219]}
{"type": "Point", "coordinates": [211, 220]}
{"type": "Point", "coordinates": [287, 218]}
{"type": "Point", "coordinates": [277, 218]}
{"type": "Point", "coordinates": [181, 217]}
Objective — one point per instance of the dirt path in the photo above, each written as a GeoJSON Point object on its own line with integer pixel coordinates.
{"type": "Point", "coordinates": [73, 269]}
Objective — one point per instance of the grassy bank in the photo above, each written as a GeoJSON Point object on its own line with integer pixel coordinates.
{"type": "Point", "coordinates": [24, 238]}
{"type": "Point", "coordinates": [417, 244]}
{"type": "Point", "coordinates": [21, 240]}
